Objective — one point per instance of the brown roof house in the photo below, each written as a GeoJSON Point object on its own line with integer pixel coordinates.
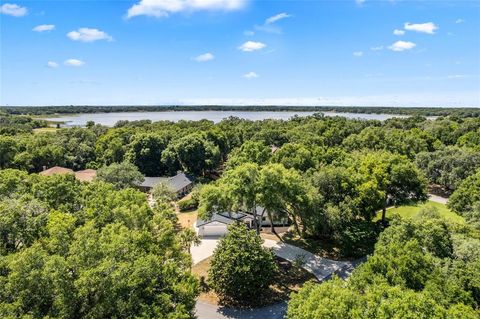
{"type": "Point", "coordinates": [87, 175]}
{"type": "Point", "coordinates": [56, 170]}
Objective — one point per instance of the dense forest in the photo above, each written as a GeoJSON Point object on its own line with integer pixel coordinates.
{"type": "Point", "coordinates": [69, 109]}
{"type": "Point", "coordinates": [71, 249]}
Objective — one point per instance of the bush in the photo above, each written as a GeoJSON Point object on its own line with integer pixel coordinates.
{"type": "Point", "coordinates": [187, 204]}
{"type": "Point", "coordinates": [241, 269]}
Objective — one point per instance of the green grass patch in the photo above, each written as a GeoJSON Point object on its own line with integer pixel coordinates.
{"type": "Point", "coordinates": [44, 130]}
{"type": "Point", "coordinates": [409, 211]}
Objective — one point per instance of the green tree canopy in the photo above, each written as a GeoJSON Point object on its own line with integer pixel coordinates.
{"type": "Point", "coordinates": [121, 175]}
{"type": "Point", "coordinates": [241, 269]}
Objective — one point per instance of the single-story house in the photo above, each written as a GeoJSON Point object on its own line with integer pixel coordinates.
{"type": "Point", "coordinates": [181, 184]}
{"type": "Point", "coordinates": [86, 175]}
{"type": "Point", "coordinates": [218, 224]}
{"type": "Point", "coordinates": [56, 170]}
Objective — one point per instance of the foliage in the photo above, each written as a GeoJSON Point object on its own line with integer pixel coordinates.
{"type": "Point", "coordinates": [73, 250]}
{"type": "Point", "coordinates": [250, 152]}
{"type": "Point", "coordinates": [145, 152]}
{"type": "Point", "coordinates": [163, 193]}
{"type": "Point", "coordinates": [449, 166]}
{"type": "Point", "coordinates": [241, 269]}
{"type": "Point", "coordinates": [187, 204]}
{"type": "Point", "coordinates": [467, 194]}
{"type": "Point", "coordinates": [416, 271]}
{"type": "Point", "coordinates": [121, 175]}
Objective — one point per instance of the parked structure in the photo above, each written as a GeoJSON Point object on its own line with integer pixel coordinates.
{"type": "Point", "coordinates": [217, 225]}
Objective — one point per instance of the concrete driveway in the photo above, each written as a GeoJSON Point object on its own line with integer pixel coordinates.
{"type": "Point", "coordinates": [438, 199]}
{"type": "Point", "coordinates": [207, 311]}
{"type": "Point", "coordinates": [204, 250]}
{"type": "Point", "coordinates": [322, 268]}
{"type": "Point", "coordinates": [319, 266]}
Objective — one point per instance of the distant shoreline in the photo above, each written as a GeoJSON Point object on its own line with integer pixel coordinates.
{"type": "Point", "coordinates": [411, 111]}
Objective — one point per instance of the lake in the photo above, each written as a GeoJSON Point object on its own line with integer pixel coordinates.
{"type": "Point", "coordinates": [109, 119]}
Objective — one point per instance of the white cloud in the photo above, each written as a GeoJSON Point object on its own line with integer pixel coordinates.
{"type": "Point", "coordinates": [88, 35]}
{"type": "Point", "coordinates": [204, 57]}
{"type": "Point", "coordinates": [251, 75]}
{"type": "Point", "coordinates": [52, 64]}
{"type": "Point", "coordinates": [74, 62]}
{"type": "Point", "coordinates": [359, 2]}
{"type": "Point", "coordinates": [398, 32]}
{"type": "Point", "coordinates": [248, 33]}
{"type": "Point", "coordinates": [163, 8]}
{"type": "Point", "coordinates": [402, 46]}
{"type": "Point", "coordinates": [358, 53]}
{"type": "Point", "coordinates": [377, 48]}
{"type": "Point", "coordinates": [13, 10]}
{"type": "Point", "coordinates": [428, 27]}
{"type": "Point", "coordinates": [460, 21]}
{"type": "Point", "coordinates": [44, 27]}
{"type": "Point", "coordinates": [250, 46]}
{"type": "Point", "coordinates": [277, 17]}
{"type": "Point", "coordinates": [457, 76]}
{"type": "Point", "coordinates": [269, 25]}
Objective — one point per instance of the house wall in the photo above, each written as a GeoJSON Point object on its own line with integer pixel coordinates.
{"type": "Point", "coordinates": [214, 229]}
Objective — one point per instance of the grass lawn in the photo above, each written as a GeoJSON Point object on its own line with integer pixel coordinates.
{"type": "Point", "coordinates": [290, 279]}
{"type": "Point", "coordinates": [410, 211]}
{"type": "Point", "coordinates": [187, 220]}
{"type": "Point", "coordinates": [44, 129]}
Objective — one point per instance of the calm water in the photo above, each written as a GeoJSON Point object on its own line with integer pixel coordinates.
{"type": "Point", "coordinates": [109, 119]}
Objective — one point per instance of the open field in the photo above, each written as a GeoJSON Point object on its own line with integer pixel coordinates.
{"type": "Point", "coordinates": [410, 211]}
{"type": "Point", "coordinates": [44, 129]}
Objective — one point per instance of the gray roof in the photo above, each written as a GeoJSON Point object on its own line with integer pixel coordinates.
{"type": "Point", "coordinates": [224, 218]}
{"type": "Point", "coordinates": [233, 215]}
{"type": "Point", "coordinates": [215, 218]}
{"type": "Point", "coordinates": [177, 182]}
{"type": "Point", "coordinates": [152, 181]}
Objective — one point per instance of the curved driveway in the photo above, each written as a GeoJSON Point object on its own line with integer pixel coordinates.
{"type": "Point", "coordinates": [322, 268]}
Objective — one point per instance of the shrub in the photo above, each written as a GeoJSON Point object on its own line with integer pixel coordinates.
{"type": "Point", "coordinates": [241, 269]}
{"type": "Point", "coordinates": [187, 204]}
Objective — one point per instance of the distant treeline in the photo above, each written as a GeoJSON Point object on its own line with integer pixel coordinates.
{"type": "Point", "coordinates": [69, 109]}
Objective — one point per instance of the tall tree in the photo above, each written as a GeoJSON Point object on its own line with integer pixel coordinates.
{"type": "Point", "coordinates": [121, 175]}
{"type": "Point", "coordinates": [241, 269]}
{"type": "Point", "coordinates": [395, 176]}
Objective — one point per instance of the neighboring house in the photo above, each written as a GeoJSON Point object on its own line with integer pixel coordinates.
{"type": "Point", "coordinates": [217, 225]}
{"type": "Point", "coordinates": [181, 184]}
{"type": "Point", "coordinates": [86, 175]}
{"type": "Point", "coordinates": [56, 170]}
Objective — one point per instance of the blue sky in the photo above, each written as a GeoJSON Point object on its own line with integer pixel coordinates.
{"type": "Point", "coordinates": [240, 52]}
